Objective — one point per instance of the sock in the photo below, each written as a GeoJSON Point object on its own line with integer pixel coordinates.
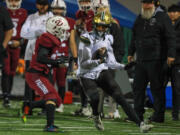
{"type": "Point", "coordinates": [50, 108]}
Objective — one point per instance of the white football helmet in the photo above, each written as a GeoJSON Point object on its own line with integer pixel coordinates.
{"type": "Point", "coordinates": [59, 27]}
{"type": "Point", "coordinates": [100, 4]}
{"type": "Point", "coordinates": [13, 5]}
{"type": "Point", "coordinates": [59, 4]}
{"type": "Point", "coordinates": [87, 5]}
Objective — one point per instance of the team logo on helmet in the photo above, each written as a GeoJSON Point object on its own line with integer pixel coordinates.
{"type": "Point", "coordinates": [59, 27]}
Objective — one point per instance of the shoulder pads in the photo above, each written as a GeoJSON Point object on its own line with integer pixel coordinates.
{"type": "Point", "coordinates": [85, 40]}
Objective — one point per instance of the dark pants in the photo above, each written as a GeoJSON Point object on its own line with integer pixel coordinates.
{"type": "Point", "coordinates": [174, 75]}
{"type": "Point", "coordinates": [145, 72]}
{"type": "Point", "coordinates": [107, 83]}
{"type": "Point", "coordinates": [83, 96]}
{"type": "Point", "coordinates": [176, 91]}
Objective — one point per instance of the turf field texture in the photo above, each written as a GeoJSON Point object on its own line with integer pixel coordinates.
{"type": "Point", "coordinates": [11, 123]}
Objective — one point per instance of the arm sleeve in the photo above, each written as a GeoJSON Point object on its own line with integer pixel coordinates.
{"type": "Point", "coordinates": [7, 22]}
{"type": "Point", "coordinates": [178, 39]}
{"type": "Point", "coordinates": [118, 45]}
{"type": "Point", "coordinates": [43, 56]}
{"type": "Point", "coordinates": [132, 48]}
{"type": "Point", "coordinates": [170, 37]}
{"type": "Point", "coordinates": [85, 57]}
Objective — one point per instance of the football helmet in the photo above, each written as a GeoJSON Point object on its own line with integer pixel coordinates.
{"type": "Point", "coordinates": [59, 27]}
{"type": "Point", "coordinates": [85, 5]}
{"type": "Point", "coordinates": [59, 4]}
{"type": "Point", "coordinates": [13, 4]}
{"type": "Point", "coordinates": [100, 4]}
{"type": "Point", "coordinates": [101, 23]}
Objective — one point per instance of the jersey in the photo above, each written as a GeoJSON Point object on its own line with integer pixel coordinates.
{"type": "Point", "coordinates": [87, 18]}
{"type": "Point", "coordinates": [49, 41]}
{"type": "Point", "coordinates": [18, 18]}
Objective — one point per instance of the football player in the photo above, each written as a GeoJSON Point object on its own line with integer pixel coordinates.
{"type": "Point", "coordinates": [84, 17]}
{"type": "Point", "coordinates": [94, 69]}
{"type": "Point", "coordinates": [118, 49]}
{"type": "Point", "coordinates": [44, 58]}
{"type": "Point", "coordinates": [18, 16]}
{"type": "Point", "coordinates": [59, 74]}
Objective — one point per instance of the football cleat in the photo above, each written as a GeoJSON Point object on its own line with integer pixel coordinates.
{"type": "Point", "coordinates": [51, 128]}
{"type": "Point", "coordinates": [86, 111]}
{"type": "Point", "coordinates": [116, 114]}
{"type": "Point", "coordinates": [98, 123]}
{"type": "Point", "coordinates": [24, 118]}
{"type": "Point", "coordinates": [60, 109]}
{"type": "Point", "coordinates": [144, 128]}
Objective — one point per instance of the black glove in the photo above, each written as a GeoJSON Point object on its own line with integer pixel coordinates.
{"type": "Point", "coordinates": [129, 65]}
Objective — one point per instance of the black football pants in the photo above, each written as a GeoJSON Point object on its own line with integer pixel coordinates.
{"type": "Point", "coordinates": [107, 83]}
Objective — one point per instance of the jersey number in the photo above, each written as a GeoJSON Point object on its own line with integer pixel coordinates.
{"type": "Point", "coordinates": [14, 29]}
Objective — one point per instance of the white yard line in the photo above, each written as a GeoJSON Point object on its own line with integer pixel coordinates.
{"type": "Point", "coordinates": [10, 122]}
{"type": "Point", "coordinates": [155, 133]}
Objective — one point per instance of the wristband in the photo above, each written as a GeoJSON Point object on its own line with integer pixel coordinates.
{"type": "Point", "coordinates": [75, 59]}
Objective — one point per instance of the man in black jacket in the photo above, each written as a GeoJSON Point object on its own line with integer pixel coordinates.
{"type": "Point", "coordinates": [154, 43]}
{"type": "Point", "coordinates": [6, 31]}
{"type": "Point", "coordinates": [174, 14]}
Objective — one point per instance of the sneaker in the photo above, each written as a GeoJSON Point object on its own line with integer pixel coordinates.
{"type": "Point", "coordinates": [86, 111]}
{"type": "Point", "coordinates": [51, 128]}
{"type": "Point", "coordinates": [98, 123]}
{"type": "Point", "coordinates": [144, 128]}
{"type": "Point", "coordinates": [116, 114]}
{"type": "Point", "coordinates": [60, 109]}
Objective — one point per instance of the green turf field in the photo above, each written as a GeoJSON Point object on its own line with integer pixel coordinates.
{"type": "Point", "coordinates": [11, 124]}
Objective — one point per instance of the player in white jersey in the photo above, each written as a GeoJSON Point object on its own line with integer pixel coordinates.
{"type": "Point", "coordinates": [95, 59]}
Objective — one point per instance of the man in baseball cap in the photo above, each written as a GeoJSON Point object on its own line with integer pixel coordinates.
{"type": "Point", "coordinates": [156, 2]}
